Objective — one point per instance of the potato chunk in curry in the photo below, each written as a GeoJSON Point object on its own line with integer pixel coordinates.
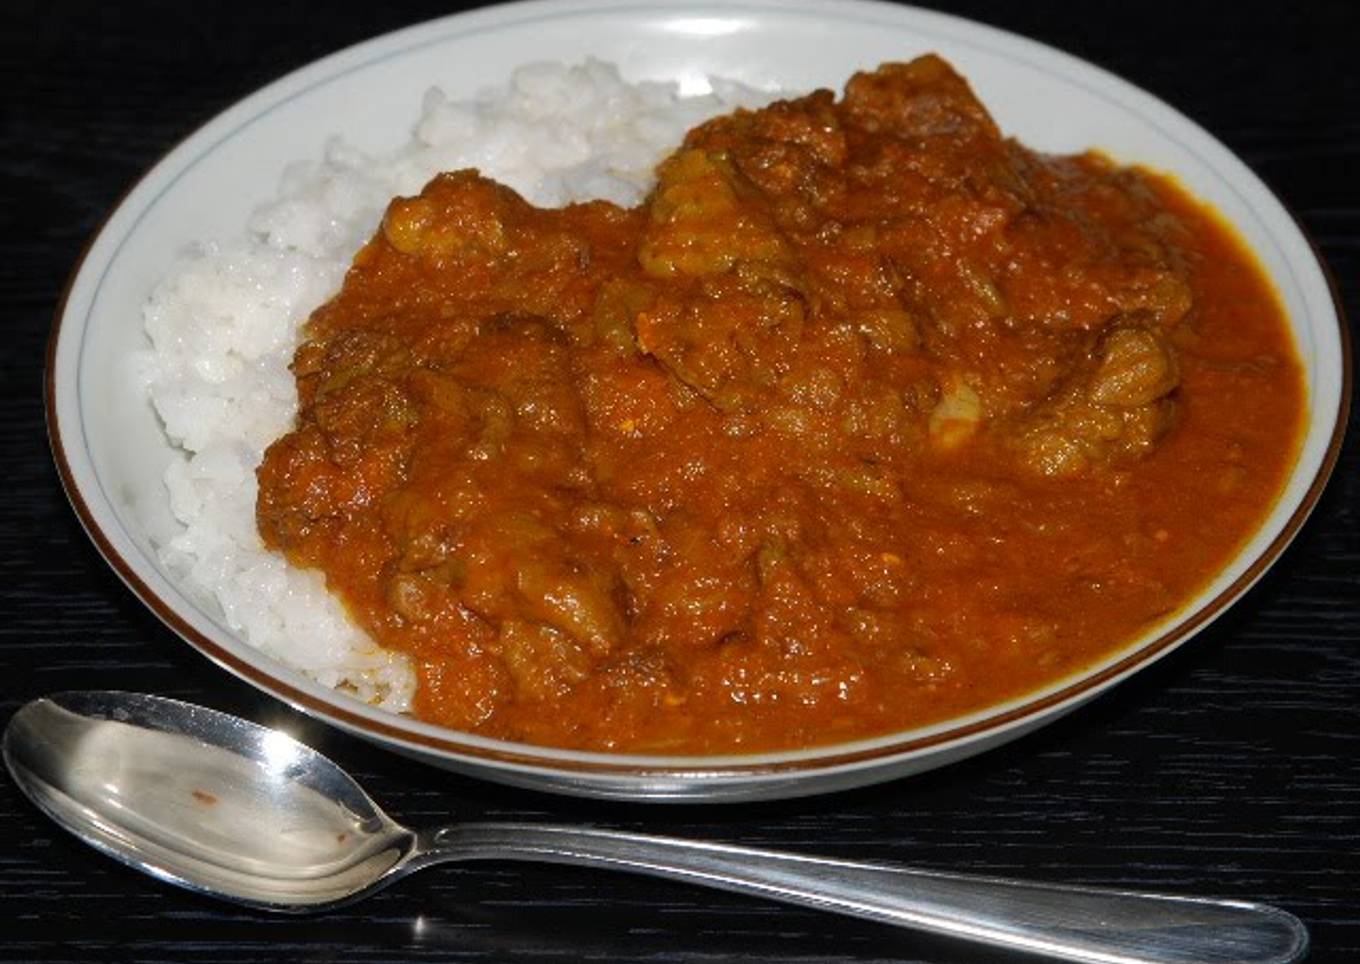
{"type": "Point", "coordinates": [866, 417]}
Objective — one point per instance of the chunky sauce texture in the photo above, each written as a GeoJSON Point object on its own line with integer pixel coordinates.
{"type": "Point", "coordinates": [867, 417]}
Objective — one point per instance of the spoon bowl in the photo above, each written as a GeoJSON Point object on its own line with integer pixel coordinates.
{"type": "Point", "coordinates": [202, 799]}
{"type": "Point", "coordinates": [231, 809]}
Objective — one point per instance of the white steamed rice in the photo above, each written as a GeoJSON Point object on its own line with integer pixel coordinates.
{"type": "Point", "coordinates": [224, 326]}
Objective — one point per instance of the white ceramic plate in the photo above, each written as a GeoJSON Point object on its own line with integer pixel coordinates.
{"type": "Point", "coordinates": [111, 452]}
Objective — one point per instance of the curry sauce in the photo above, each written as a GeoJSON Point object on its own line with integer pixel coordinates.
{"type": "Point", "coordinates": [867, 417]}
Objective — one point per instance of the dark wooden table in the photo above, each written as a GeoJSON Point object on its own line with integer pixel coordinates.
{"type": "Point", "coordinates": [1231, 768]}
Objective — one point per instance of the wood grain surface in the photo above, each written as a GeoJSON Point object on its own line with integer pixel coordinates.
{"type": "Point", "coordinates": [1231, 768]}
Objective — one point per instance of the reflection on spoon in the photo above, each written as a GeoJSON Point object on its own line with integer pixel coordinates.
{"type": "Point", "coordinates": [225, 807]}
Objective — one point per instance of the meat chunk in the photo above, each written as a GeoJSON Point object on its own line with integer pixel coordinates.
{"type": "Point", "coordinates": [699, 223]}
{"type": "Point", "coordinates": [463, 214]}
{"type": "Point", "coordinates": [727, 327]}
{"type": "Point", "coordinates": [922, 98]}
{"type": "Point", "coordinates": [1116, 409]}
{"type": "Point", "coordinates": [1137, 367]}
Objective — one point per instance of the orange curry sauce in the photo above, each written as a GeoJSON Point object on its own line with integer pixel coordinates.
{"type": "Point", "coordinates": [868, 416]}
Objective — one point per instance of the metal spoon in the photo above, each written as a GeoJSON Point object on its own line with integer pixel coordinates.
{"type": "Point", "coordinates": [225, 807]}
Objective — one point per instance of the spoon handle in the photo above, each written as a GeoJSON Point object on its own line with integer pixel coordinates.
{"type": "Point", "coordinates": [1067, 922]}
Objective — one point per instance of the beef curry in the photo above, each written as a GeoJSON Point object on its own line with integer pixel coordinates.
{"type": "Point", "coordinates": [867, 417]}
